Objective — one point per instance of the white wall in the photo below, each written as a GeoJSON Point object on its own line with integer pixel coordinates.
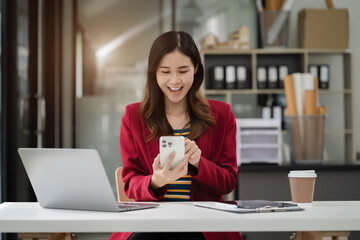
{"type": "Point", "coordinates": [353, 7]}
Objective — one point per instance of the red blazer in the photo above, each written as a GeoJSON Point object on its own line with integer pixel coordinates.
{"type": "Point", "coordinates": [217, 173]}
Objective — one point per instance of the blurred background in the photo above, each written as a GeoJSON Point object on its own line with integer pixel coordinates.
{"type": "Point", "coordinates": [69, 68]}
{"type": "Point", "coordinates": [121, 33]}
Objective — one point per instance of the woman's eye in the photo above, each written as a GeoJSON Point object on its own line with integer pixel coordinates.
{"type": "Point", "coordinates": [182, 72]}
{"type": "Point", "coordinates": [165, 72]}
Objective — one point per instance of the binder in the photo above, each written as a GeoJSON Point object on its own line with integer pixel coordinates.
{"type": "Point", "coordinates": [230, 77]}
{"type": "Point", "coordinates": [261, 78]}
{"type": "Point", "coordinates": [324, 76]}
{"type": "Point", "coordinates": [243, 80]}
{"type": "Point", "coordinates": [283, 71]}
{"type": "Point", "coordinates": [218, 77]}
{"type": "Point", "coordinates": [313, 69]}
{"type": "Point", "coordinates": [322, 72]}
{"type": "Point", "coordinates": [273, 77]}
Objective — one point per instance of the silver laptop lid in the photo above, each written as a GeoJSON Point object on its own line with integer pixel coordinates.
{"type": "Point", "coordinates": [69, 178]}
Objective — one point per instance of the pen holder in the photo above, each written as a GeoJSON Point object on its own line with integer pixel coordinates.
{"type": "Point", "coordinates": [306, 138]}
{"type": "Point", "coordinates": [274, 28]}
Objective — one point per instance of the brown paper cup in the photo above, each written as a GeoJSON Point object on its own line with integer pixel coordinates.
{"type": "Point", "coordinates": [302, 186]}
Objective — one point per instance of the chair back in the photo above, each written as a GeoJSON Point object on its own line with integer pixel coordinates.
{"type": "Point", "coordinates": [121, 196]}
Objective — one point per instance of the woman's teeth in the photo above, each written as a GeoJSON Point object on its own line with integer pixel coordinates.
{"type": "Point", "coordinates": [175, 89]}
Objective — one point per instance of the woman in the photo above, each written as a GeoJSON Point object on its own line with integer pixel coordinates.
{"type": "Point", "coordinates": [174, 104]}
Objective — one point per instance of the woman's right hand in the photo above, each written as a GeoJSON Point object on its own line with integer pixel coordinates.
{"type": "Point", "coordinates": [163, 176]}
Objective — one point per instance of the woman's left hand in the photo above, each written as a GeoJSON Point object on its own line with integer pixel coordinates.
{"type": "Point", "coordinates": [193, 152]}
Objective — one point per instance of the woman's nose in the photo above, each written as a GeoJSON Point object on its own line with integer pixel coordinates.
{"type": "Point", "coordinates": [175, 78]}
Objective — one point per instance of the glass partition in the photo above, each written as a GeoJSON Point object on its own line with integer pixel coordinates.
{"type": "Point", "coordinates": [221, 18]}
{"type": "Point", "coordinates": [112, 45]}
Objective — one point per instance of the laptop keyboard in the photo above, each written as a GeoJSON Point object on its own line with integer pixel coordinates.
{"type": "Point", "coordinates": [134, 205]}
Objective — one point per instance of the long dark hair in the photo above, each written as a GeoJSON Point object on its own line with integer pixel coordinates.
{"type": "Point", "coordinates": [153, 107]}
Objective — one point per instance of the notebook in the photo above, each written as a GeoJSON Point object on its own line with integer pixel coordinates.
{"type": "Point", "coordinates": [250, 206]}
{"type": "Point", "coordinates": [72, 179]}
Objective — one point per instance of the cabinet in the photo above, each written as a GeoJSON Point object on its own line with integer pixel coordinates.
{"type": "Point", "coordinates": [338, 98]}
{"type": "Point", "coordinates": [258, 140]}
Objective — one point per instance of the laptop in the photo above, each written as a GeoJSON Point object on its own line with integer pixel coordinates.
{"type": "Point", "coordinates": [72, 179]}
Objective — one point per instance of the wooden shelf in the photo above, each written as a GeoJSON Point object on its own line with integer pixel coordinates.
{"type": "Point", "coordinates": [275, 51]}
{"type": "Point", "coordinates": [268, 91]}
{"type": "Point", "coordinates": [297, 60]}
{"type": "Point", "coordinates": [286, 168]}
{"type": "Point", "coordinates": [243, 91]}
{"type": "Point", "coordinates": [339, 131]}
{"type": "Point", "coordinates": [330, 131]}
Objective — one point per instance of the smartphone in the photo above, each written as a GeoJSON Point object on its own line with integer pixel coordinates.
{"type": "Point", "coordinates": [169, 144]}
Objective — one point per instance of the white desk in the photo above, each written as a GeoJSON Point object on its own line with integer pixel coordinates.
{"type": "Point", "coordinates": [322, 216]}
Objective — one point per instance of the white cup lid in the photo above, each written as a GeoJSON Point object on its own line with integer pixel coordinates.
{"type": "Point", "coordinates": [302, 174]}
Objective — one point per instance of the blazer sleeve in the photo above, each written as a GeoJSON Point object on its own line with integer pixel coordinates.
{"type": "Point", "coordinates": [135, 175]}
{"type": "Point", "coordinates": [219, 176]}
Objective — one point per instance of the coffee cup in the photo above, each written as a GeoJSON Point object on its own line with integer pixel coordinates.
{"type": "Point", "coordinates": [302, 185]}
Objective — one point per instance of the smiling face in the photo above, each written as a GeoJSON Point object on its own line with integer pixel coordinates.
{"type": "Point", "coordinates": [175, 76]}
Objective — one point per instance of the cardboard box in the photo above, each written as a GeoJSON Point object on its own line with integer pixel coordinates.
{"type": "Point", "coordinates": [324, 28]}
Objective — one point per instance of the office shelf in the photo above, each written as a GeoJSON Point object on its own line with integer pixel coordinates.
{"type": "Point", "coordinates": [338, 99]}
{"type": "Point", "coordinates": [267, 91]}
{"type": "Point", "coordinates": [331, 131]}
{"type": "Point", "coordinates": [286, 168]}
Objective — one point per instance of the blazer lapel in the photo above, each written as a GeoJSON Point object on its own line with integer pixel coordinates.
{"type": "Point", "coordinates": [152, 146]}
{"type": "Point", "coordinates": [205, 142]}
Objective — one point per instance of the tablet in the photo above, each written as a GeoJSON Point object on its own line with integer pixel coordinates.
{"type": "Point", "coordinates": [231, 206]}
{"type": "Point", "coordinates": [254, 204]}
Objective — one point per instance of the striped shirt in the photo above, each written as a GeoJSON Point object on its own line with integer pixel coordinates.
{"type": "Point", "coordinates": [179, 190]}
